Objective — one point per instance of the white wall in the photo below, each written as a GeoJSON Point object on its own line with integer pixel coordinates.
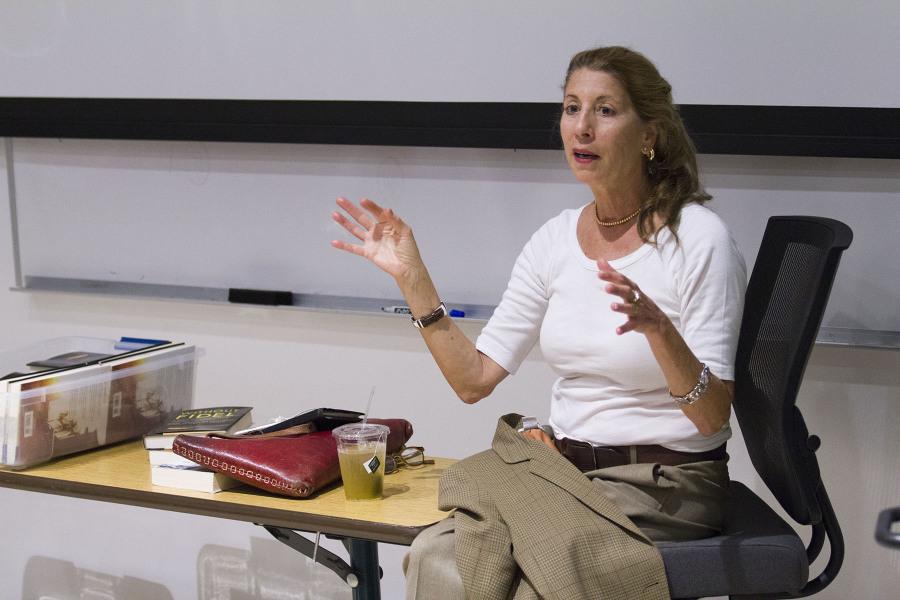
{"type": "Point", "coordinates": [802, 53]}
{"type": "Point", "coordinates": [280, 360]}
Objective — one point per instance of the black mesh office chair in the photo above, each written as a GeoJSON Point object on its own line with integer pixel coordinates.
{"type": "Point", "coordinates": [758, 554]}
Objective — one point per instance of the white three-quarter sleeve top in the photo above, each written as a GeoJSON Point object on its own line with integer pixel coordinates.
{"type": "Point", "coordinates": [610, 389]}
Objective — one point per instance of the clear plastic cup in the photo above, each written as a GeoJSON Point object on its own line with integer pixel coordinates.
{"type": "Point", "coordinates": [361, 449]}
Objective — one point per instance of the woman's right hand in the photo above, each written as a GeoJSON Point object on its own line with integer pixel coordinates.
{"type": "Point", "coordinates": [387, 241]}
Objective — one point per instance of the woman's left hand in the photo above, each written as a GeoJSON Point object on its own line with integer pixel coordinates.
{"type": "Point", "coordinates": [644, 316]}
{"type": "Point", "coordinates": [541, 436]}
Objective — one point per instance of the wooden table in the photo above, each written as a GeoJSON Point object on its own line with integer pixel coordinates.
{"type": "Point", "coordinates": [121, 474]}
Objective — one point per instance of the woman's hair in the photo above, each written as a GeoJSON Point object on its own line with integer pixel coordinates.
{"type": "Point", "coordinates": [672, 173]}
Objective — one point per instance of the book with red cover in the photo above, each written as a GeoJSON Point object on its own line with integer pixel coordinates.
{"type": "Point", "coordinates": [294, 465]}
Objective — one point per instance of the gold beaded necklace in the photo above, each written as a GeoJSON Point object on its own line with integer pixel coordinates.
{"type": "Point", "coordinates": [616, 222]}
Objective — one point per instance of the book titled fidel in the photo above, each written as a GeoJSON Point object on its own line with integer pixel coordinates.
{"type": "Point", "coordinates": [199, 421]}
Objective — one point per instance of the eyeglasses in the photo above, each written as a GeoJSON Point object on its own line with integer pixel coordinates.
{"type": "Point", "coordinates": [411, 457]}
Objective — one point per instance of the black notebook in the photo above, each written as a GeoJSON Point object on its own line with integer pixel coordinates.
{"type": "Point", "coordinates": [324, 419]}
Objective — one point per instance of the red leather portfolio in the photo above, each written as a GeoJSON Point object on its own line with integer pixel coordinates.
{"type": "Point", "coordinates": [294, 465]}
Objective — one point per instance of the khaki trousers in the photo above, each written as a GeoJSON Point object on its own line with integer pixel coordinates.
{"type": "Point", "coordinates": [667, 503]}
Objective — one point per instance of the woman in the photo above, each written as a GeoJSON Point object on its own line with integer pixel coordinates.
{"type": "Point", "coordinates": [636, 297]}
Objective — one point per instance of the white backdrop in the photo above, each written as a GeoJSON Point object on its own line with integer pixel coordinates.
{"type": "Point", "coordinates": [804, 52]}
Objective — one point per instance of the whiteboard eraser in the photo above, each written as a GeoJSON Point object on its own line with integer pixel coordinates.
{"type": "Point", "coordinates": [265, 297]}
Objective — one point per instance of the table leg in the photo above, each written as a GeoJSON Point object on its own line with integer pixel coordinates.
{"type": "Point", "coordinates": [363, 574]}
{"type": "Point", "coordinates": [364, 560]}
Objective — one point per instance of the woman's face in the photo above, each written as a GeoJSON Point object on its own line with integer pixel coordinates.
{"type": "Point", "coordinates": [602, 134]}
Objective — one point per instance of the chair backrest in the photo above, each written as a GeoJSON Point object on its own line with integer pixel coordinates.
{"type": "Point", "coordinates": [785, 300]}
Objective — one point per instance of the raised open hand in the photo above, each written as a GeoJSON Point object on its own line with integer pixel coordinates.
{"type": "Point", "coordinates": [644, 316]}
{"type": "Point", "coordinates": [387, 241]}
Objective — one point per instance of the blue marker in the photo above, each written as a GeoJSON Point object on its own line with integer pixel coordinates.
{"type": "Point", "coordinates": [457, 313]}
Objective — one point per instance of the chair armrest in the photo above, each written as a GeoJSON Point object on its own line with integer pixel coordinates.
{"type": "Point", "coordinates": [883, 526]}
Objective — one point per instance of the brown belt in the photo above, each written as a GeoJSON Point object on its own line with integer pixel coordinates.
{"type": "Point", "coordinates": [588, 457]}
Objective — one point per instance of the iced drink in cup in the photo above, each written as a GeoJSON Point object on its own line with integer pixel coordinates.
{"type": "Point", "coordinates": [361, 448]}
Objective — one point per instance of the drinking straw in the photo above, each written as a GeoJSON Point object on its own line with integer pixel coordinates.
{"type": "Point", "coordinates": [368, 407]}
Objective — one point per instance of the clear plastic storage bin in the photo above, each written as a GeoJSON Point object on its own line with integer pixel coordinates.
{"type": "Point", "coordinates": [80, 393]}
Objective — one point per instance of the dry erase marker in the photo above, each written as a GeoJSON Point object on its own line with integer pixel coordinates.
{"type": "Point", "coordinates": [398, 310]}
{"type": "Point", "coordinates": [404, 310]}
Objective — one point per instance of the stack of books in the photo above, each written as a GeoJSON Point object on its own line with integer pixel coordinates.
{"type": "Point", "coordinates": [72, 394]}
{"type": "Point", "coordinates": [171, 470]}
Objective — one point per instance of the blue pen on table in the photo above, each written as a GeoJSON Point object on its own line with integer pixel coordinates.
{"type": "Point", "coordinates": [404, 310]}
{"type": "Point", "coordinates": [134, 343]}
{"type": "Point", "coordinates": [136, 340]}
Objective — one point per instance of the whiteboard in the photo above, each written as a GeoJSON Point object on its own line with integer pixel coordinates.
{"type": "Point", "coordinates": [752, 52]}
{"type": "Point", "coordinates": [254, 215]}
{"type": "Point", "coordinates": [257, 216]}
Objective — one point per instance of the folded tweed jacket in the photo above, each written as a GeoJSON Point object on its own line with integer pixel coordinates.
{"type": "Point", "coordinates": [294, 465]}
{"type": "Point", "coordinates": [530, 525]}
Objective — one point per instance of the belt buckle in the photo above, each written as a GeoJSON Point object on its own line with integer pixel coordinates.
{"type": "Point", "coordinates": [578, 448]}
{"type": "Point", "coordinates": [598, 449]}
{"type": "Point", "coordinates": [610, 452]}
{"type": "Point", "coordinates": [575, 450]}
